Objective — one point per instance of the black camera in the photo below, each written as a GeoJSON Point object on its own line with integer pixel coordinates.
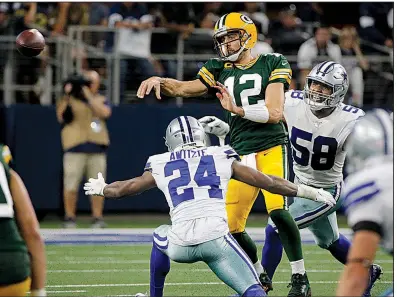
{"type": "Point", "coordinates": [77, 81]}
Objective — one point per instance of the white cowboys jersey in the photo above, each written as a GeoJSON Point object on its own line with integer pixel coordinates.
{"type": "Point", "coordinates": [368, 197]}
{"type": "Point", "coordinates": [194, 182]}
{"type": "Point", "coordinates": [317, 144]}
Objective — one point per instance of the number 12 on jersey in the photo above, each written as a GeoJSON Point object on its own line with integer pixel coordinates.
{"type": "Point", "coordinates": [205, 176]}
{"type": "Point", "coordinates": [324, 150]}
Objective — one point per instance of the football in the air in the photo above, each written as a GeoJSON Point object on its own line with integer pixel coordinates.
{"type": "Point", "coordinates": [30, 43]}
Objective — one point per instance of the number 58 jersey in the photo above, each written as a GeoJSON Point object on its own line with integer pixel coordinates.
{"type": "Point", "coordinates": [194, 182]}
{"type": "Point", "coordinates": [318, 144]}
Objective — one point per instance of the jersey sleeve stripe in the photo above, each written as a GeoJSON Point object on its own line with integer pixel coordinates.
{"type": "Point", "coordinates": [148, 167]}
{"type": "Point", "coordinates": [210, 75]}
{"type": "Point", "coordinates": [281, 73]}
{"type": "Point", "coordinates": [286, 77]}
{"type": "Point", "coordinates": [360, 199]}
{"type": "Point", "coordinates": [287, 70]}
{"type": "Point", "coordinates": [207, 79]}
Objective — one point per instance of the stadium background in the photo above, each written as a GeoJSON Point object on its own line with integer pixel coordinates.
{"type": "Point", "coordinates": [31, 86]}
{"type": "Point", "coordinates": [87, 262]}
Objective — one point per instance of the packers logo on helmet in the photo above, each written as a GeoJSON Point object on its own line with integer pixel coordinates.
{"type": "Point", "coordinates": [236, 26]}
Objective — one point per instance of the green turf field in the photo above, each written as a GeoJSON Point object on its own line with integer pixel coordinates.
{"type": "Point", "coordinates": [115, 270]}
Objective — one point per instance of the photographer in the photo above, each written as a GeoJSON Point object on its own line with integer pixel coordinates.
{"type": "Point", "coordinates": [82, 112]}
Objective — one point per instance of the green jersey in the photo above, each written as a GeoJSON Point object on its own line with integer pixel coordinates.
{"type": "Point", "coordinates": [14, 258]}
{"type": "Point", "coordinates": [249, 83]}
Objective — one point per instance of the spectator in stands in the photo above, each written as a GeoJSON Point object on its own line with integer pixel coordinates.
{"type": "Point", "coordinates": [315, 50]}
{"type": "Point", "coordinates": [179, 18]}
{"type": "Point", "coordinates": [311, 12]}
{"type": "Point", "coordinates": [354, 63]}
{"type": "Point", "coordinates": [98, 16]}
{"type": "Point", "coordinates": [134, 16]}
{"type": "Point", "coordinates": [210, 15]}
{"type": "Point", "coordinates": [82, 111]}
{"type": "Point", "coordinates": [286, 33]}
{"type": "Point", "coordinates": [375, 22]}
{"type": "Point", "coordinates": [254, 11]}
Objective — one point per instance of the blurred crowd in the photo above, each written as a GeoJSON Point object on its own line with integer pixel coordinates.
{"type": "Point", "coordinates": [306, 30]}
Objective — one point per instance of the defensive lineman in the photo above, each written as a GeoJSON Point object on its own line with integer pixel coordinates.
{"type": "Point", "coordinates": [368, 198]}
{"type": "Point", "coordinates": [193, 178]}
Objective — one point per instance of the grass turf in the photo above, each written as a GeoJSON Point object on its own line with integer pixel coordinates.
{"type": "Point", "coordinates": [115, 270]}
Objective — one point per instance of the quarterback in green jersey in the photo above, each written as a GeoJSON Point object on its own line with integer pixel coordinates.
{"type": "Point", "coordinates": [22, 253]}
{"type": "Point", "coordinates": [256, 132]}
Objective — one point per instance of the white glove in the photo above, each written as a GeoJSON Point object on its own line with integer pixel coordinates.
{"type": "Point", "coordinates": [95, 186]}
{"type": "Point", "coordinates": [315, 194]}
{"type": "Point", "coordinates": [215, 126]}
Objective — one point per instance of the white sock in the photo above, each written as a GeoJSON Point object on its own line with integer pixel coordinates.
{"type": "Point", "coordinates": [258, 267]}
{"type": "Point", "coordinates": [298, 267]}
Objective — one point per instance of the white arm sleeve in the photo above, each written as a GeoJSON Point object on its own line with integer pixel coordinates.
{"type": "Point", "coordinates": [256, 113]}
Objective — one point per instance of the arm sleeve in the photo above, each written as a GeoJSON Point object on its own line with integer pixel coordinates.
{"type": "Point", "coordinates": [281, 71]}
{"type": "Point", "coordinates": [208, 73]}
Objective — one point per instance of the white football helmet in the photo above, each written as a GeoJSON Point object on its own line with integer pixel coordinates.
{"type": "Point", "coordinates": [372, 137]}
{"type": "Point", "coordinates": [184, 132]}
{"type": "Point", "coordinates": [331, 74]}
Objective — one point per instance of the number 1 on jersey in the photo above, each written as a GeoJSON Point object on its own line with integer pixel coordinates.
{"type": "Point", "coordinates": [246, 93]}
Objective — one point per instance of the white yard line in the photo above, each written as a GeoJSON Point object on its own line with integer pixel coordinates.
{"type": "Point", "coordinates": [72, 260]}
{"type": "Point", "coordinates": [74, 291]}
{"type": "Point", "coordinates": [178, 284]}
{"type": "Point", "coordinates": [184, 270]}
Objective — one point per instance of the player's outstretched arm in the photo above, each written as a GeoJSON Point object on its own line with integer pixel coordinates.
{"type": "Point", "coordinates": [30, 231]}
{"type": "Point", "coordinates": [171, 87]}
{"type": "Point", "coordinates": [119, 189]}
{"type": "Point", "coordinates": [257, 179]}
{"type": "Point", "coordinates": [354, 279]}
{"type": "Point", "coordinates": [278, 185]}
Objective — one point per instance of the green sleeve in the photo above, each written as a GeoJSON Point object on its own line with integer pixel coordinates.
{"type": "Point", "coordinates": [209, 72]}
{"type": "Point", "coordinates": [280, 70]}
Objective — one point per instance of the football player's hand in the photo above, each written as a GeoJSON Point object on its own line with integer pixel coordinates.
{"type": "Point", "coordinates": [325, 197]}
{"type": "Point", "coordinates": [226, 100]}
{"type": "Point", "coordinates": [215, 126]}
{"type": "Point", "coordinates": [95, 186]}
{"type": "Point", "coordinates": [152, 83]}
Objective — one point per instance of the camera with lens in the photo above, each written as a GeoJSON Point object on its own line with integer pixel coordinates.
{"type": "Point", "coordinates": [78, 82]}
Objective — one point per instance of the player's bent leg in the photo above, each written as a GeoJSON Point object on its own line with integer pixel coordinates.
{"type": "Point", "coordinates": [231, 264]}
{"type": "Point", "coordinates": [239, 200]}
{"type": "Point", "coordinates": [159, 261]}
{"type": "Point", "coordinates": [18, 290]}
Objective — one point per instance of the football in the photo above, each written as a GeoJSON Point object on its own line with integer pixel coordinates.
{"type": "Point", "coordinates": [30, 43]}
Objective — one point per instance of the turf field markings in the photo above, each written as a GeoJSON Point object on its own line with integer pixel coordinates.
{"type": "Point", "coordinates": [73, 291]}
{"type": "Point", "coordinates": [182, 270]}
{"type": "Point", "coordinates": [182, 284]}
{"type": "Point", "coordinates": [72, 260]}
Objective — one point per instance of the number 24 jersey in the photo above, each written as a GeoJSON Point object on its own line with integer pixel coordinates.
{"type": "Point", "coordinates": [318, 144]}
{"type": "Point", "coordinates": [194, 182]}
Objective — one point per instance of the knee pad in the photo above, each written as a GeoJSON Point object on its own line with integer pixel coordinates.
{"type": "Point", "coordinates": [254, 291]}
